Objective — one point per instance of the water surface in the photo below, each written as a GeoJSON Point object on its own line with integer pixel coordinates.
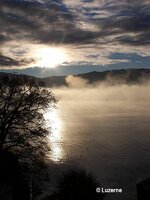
{"type": "Point", "coordinates": [105, 130]}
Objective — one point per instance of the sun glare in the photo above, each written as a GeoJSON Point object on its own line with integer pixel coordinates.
{"type": "Point", "coordinates": [50, 57]}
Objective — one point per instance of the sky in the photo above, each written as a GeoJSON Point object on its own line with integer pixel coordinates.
{"type": "Point", "coordinates": [60, 37]}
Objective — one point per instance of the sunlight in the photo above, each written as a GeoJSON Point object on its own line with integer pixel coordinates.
{"type": "Point", "coordinates": [57, 154]}
{"type": "Point", "coordinates": [50, 56]}
{"type": "Point", "coordinates": [54, 123]}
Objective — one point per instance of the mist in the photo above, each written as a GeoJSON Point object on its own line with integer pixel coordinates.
{"type": "Point", "coordinates": [105, 129]}
{"type": "Point", "coordinates": [109, 90]}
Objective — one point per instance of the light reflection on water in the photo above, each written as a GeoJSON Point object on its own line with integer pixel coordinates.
{"type": "Point", "coordinates": [54, 123]}
{"type": "Point", "coordinates": [105, 130]}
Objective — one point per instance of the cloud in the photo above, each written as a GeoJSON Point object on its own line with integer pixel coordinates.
{"type": "Point", "coordinates": [50, 23]}
{"type": "Point", "coordinates": [85, 28]}
{"type": "Point", "coordinates": [135, 40]}
{"type": "Point", "coordinates": [55, 22]}
{"type": "Point", "coordinates": [7, 62]}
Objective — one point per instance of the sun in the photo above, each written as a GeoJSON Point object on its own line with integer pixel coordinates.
{"type": "Point", "coordinates": [50, 56]}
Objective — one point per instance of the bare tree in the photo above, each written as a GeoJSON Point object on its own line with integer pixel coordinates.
{"type": "Point", "coordinates": [22, 129]}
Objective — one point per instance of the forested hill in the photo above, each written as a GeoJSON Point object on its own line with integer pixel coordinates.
{"type": "Point", "coordinates": [129, 76]}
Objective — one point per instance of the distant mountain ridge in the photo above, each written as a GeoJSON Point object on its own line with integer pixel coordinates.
{"type": "Point", "coordinates": [129, 76]}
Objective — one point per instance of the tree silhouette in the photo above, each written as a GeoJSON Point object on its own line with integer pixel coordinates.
{"type": "Point", "coordinates": [22, 129]}
{"type": "Point", "coordinates": [76, 184]}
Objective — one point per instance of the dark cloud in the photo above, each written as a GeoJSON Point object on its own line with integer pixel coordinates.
{"type": "Point", "coordinates": [3, 38]}
{"type": "Point", "coordinates": [126, 17]}
{"type": "Point", "coordinates": [141, 39]}
{"type": "Point", "coordinates": [6, 61]}
{"type": "Point", "coordinates": [53, 22]}
{"type": "Point", "coordinates": [135, 23]}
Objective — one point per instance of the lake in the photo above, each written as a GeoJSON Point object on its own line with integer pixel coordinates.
{"type": "Point", "coordinates": [105, 129]}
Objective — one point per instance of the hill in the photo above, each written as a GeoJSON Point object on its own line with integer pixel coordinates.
{"type": "Point", "coordinates": [129, 76]}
